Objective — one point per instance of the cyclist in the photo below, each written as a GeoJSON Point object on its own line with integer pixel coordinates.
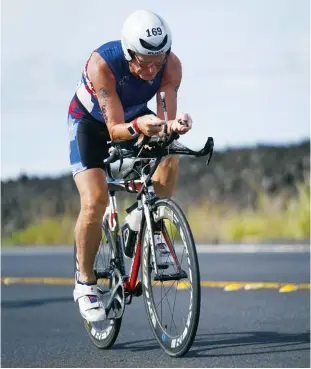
{"type": "Point", "coordinates": [110, 103]}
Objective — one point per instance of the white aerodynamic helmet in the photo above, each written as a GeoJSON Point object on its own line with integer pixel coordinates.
{"type": "Point", "coordinates": [146, 33]}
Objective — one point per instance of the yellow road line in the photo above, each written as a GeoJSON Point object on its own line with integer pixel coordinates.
{"type": "Point", "coordinates": [36, 280]}
{"type": "Point", "coordinates": [254, 286]}
{"type": "Point", "coordinates": [181, 285]}
{"type": "Point", "coordinates": [288, 288]}
{"type": "Point", "coordinates": [233, 286]}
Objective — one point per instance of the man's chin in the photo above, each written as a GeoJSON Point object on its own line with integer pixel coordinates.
{"type": "Point", "coordinates": [147, 78]}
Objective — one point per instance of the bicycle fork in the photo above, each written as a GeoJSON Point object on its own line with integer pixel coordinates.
{"type": "Point", "coordinates": [149, 233]}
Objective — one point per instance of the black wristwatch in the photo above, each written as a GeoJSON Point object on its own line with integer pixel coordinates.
{"type": "Point", "coordinates": [132, 131]}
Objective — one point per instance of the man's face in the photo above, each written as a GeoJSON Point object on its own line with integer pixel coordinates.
{"type": "Point", "coordinates": [147, 67]}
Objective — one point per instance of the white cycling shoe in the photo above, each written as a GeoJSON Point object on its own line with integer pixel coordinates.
{"type": "Point", "coordinates": [163, 255]}
{"type": "Point", "coordinates": [90, 305]}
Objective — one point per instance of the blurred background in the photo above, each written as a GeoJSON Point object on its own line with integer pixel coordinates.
{"type": "Point", "coordinates": [246, 82]}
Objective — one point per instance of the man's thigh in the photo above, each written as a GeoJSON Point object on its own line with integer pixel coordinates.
{"type": "Point", "coordinates": [88, 144]}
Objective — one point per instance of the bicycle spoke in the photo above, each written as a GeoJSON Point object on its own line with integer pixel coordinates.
{"type": "Point", "coordinates": [171, 310]}
{"type": "Point", "coordinates": [166, 293]}
{"type": "Point", "coordinates": [175, 266]}
{"type": "Point", "coordinates": [165, 296]}
{"type": "Point", "coordinates": [174, 307]}
{"type": "Point", "coordinates": [161, 299]}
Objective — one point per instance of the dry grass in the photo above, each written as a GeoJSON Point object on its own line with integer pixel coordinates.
{"type": "Point", "coordinates": [280, 217]}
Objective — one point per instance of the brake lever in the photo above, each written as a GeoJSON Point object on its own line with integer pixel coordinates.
{"type": "Point", "coordinates": [121, 164]}
{"type": "Point", "coordinates": [207, 149]}
{"type": "Point", "coordinates": [209, 157]}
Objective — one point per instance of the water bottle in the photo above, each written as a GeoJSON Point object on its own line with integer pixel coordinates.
{"type": "Point", "coordinates": [129, 231]}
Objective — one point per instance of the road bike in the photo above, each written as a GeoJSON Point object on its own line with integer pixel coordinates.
{"type": "Point", "coordinates": [171, 293]}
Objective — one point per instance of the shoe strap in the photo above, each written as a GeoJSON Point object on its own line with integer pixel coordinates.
{"type": "Point", "coordinates": [85, 290]}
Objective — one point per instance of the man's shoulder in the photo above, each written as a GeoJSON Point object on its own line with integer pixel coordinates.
{"type": "Point", "coordinates": [109, 45]}
{"type": "Point", "coordinates": [173, 58]}
{"type": "Point", "coordinates": [173, 63]}
{"type": "Point", "coordinates": [110, 56]}
{"type": "Point", "coordinates": [173, 68]}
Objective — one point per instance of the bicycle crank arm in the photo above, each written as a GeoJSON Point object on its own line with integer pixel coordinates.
{"type": "Point", "coordinates": [171, 277]}
{"type": "Point", "coordinates": [116, 300]}
{"type": "Point", "coordinates": [114, 295]}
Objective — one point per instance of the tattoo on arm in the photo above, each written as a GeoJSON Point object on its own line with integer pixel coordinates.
{"type": "Point", "coordinates": [103, 94]}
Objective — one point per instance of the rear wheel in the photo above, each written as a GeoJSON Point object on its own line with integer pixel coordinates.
{"type": "Point", "coordinates": [172, 298]}
{"type": "Point", "coordinates": [103, 334]}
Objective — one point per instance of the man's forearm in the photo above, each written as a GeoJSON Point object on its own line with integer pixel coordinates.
{"type": "Point", "coordinates": [123, 131]}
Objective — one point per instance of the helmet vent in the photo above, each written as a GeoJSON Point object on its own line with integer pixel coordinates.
{"type": "Point", "coordinates": [150, 47]}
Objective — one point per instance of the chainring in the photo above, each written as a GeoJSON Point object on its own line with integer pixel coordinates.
{"type": "Point", "coordinates": [116, 299]}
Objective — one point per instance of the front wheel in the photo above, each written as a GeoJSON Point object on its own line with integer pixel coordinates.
{"type": "Point", "coordinates": [173, 296]}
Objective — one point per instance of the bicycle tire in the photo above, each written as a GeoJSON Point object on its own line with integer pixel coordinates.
{"type": "Point", "coordinates": [173, 346]}
{"type": "Point", "coordinates": [107, 338]}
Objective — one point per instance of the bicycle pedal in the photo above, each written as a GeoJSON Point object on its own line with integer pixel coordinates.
{"type": "Point", "coordinates": [128, 299]}
{"type": "Point", "coordinates": [171, 277]}
{"type": "Point", "coordinates": [160, 267]}
{"type": "Point", "coordinates": [163, 267]}
{"type": "Point", "coordinates": [138, 290]}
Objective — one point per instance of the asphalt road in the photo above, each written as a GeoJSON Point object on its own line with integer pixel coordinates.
{"type": "Point", "coordinates": [239, 326]}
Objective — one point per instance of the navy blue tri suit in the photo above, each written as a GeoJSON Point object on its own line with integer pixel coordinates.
{"type": "Point", "coordinates": [87, 128]}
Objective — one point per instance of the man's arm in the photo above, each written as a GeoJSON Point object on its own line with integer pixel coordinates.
{"type": "Point", "coordinates": [170, 83]}
{"type": "Point", "coordinates": [104, 85]}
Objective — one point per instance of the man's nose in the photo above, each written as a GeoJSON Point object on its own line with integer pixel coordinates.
{"type": "Point", "coordinates": [152, 68]}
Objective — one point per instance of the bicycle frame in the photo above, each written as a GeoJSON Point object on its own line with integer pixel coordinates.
{"type": "Point", "coordinates": [133, 187]}
{"type": "Point", "coordinates": [117, 185]}
{"type": "Point", "coordinates": [144, 189]}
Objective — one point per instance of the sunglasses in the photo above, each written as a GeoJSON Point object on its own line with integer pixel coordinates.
{"type": "Point", "coordinates": [148, 63]}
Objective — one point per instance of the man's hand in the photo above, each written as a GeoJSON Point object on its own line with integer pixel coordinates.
{"type": "Point", "coordinates": [150, 125]}
{"type": "Point", "coordinates": [182, 124]}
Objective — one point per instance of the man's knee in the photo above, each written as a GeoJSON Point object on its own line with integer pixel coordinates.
{"type": "Point", "coordinates": [93, 206]}
{"type": "Point", "coordinates": [171, 162]}
{"type": "Point", "coordinates": [168, 168]}
{"type": "Point", "coordinates": [165, 177]}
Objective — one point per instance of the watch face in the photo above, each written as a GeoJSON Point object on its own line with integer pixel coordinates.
{"type": "Point", "coordinates": [131, 130]}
